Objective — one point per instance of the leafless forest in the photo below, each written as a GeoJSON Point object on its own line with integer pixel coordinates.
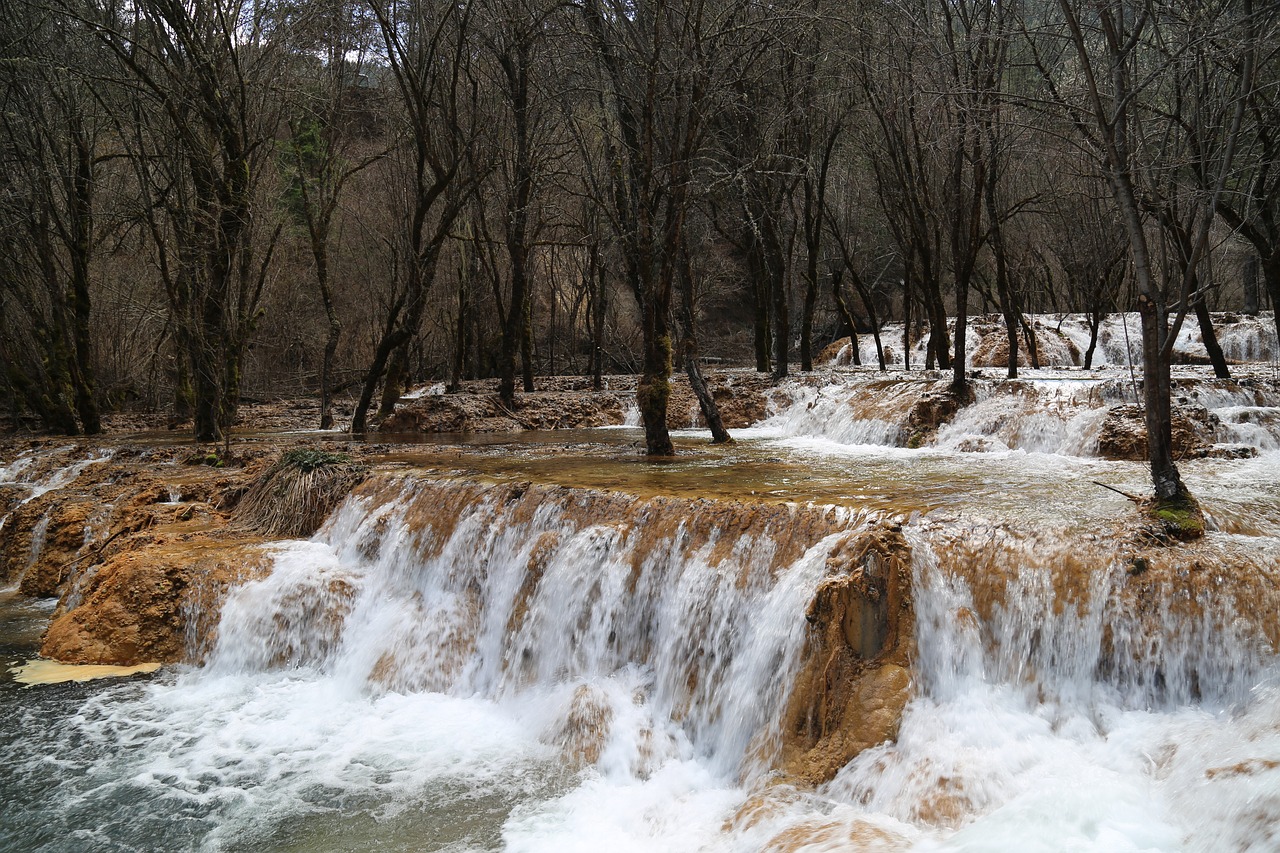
{"type": "Point", "coordinates": [206, 201]}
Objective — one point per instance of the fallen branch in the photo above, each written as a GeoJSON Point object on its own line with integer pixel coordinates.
{"type": "Point", "coordinates": [1135, 498]}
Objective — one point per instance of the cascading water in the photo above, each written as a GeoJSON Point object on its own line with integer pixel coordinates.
{"type": "Point", "coordinates": [1063, 340]}
{"type": "Point", "coordinates": [456, 666]}
{"type": "Point", "coordinates": [525, 593]}
{"type": "Point", "coordinates": [1079, 719]}
{"type": "Point", "coordinates": [1061, 414]}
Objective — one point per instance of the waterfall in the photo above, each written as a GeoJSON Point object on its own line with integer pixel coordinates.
{"type": "Point", "coordinates": [460, 665]}
{"type": "Point", "coordinates": [1063, 415]}
{"type": "Point", "coordinates": [646, 613]}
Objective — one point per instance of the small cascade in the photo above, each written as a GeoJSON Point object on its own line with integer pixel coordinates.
{"type": "Point", "coordinates": [1063, 339]}
{"type": "Point", "coordinates": [1084, 622]}
{"type": "Point", "coordinates": [1068, 699]}
{"type": "Point", "coordinates": [631, 416]}
{"type": "Point", "coordinates": [647, 633]}
{"type": "Point", "coordinates": [1064, 414]}
{"type": "Point", "coordinates": [39, 533]}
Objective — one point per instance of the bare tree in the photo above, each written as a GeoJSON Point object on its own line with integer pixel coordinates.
{"type": "Point", "coordinates": [327, 147]}
{"type": "Point", "coordinates": [200, 128]}
{"type": "Point", "coordinates": [427, 53]}
{"type": "Point", "coordinates": [1120, 52]}
{"type": "Point", "coordinates": [50, 126]}
{"type": "Point", "coordinates": [653, 58]}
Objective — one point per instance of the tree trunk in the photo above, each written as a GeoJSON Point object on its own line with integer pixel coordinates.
{"type": "Point", "coordinates": [1210, 338]}
{"type": "Point", "coordinates": [654, 390]}
{"type": "Point", "coordinates": [81, 200]}
{"type": "Point", "coordinates": [806, 320]}
{"type": "Point", "coordinates": [1095, 325]}
{"type": "Point", "coordinates": [597, 343]}
{"type": "Point", "coordinates": [1159, 409]}
{"type": "Point", "coordinates": [937, 350]}
{"type": "Point", "coordinates": [759, 284]}
{"type": "Point", "coordinates": [394, 385]}
{"type": "Point", "coordinates": [958, 378]}
{"type": "Point", "coordinates": [906, 323]}
{"type": "Point", "coordinates": [1271, 280]}
{"type": "Point", "coordinates": [689, 353]}
{"type": "Point", "coordinates": [842, 308]}
{"type": "Point", "coordinates": [526, 341]}
{"type": "Point", "coordinates": [321, 256]}
{"type": "Point", "coordinates": [1250, 276]}
{"type": "Point", "coordinates": [781, 318]}
{"type": "Point", "coordinates": [461, 329]}
{"type": "Point", "coordinates": [392, 337]}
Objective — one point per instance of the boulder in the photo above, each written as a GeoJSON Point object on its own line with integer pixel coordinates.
{"type": "Point", "coordinates": [155, 602]}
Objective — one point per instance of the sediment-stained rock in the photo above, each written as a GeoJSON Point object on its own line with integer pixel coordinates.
{"type": "Point", "coordinates": [856, 680]}
{"type": "Point", "coordinates": [1124, 432]}
{"type": "Point", "coordinates": [156, 602]}
{"type": "Point", "coordinates": [1053, 349]}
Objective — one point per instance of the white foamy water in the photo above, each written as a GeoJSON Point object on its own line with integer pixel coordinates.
{"type": "Point", "coordinates": [1064, 340]}
{"type": "Point", "coordinates": [552, 676]}
{"type": "Point", "coordinates": [1060, 413]}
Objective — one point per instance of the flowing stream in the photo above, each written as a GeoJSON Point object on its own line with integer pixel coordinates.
{"type": "Point", "coordinates": [459, 664]}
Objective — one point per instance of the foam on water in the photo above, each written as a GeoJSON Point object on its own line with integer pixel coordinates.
{"type": "Point", "coordinates": [1050, 414]}
{"type": "Point", "coordinates": [1242, 339]}
{"type": "Point", "coordinates": [401, 682]}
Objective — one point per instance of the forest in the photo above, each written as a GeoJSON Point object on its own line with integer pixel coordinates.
{"type": "Point", "coordinates": [204, 202]}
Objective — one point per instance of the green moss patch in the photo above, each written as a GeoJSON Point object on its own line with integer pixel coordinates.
{"type": "Point", "coordinates": [1180, 516]}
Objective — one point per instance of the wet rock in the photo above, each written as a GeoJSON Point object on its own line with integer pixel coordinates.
{"type": "Point", "coordinates": [932, 410]}
{"type": "Point", "coordinates": [1053, 349]}
{"type": "Point", "coordinates": [1124, 432]}
{"type": "Point", "coordinates": [856, 834]}
{"type": "Point", "coordinates": [584, 731]}
{"type": "Point", "coordinates": [742, 399]}
{"type": "Point", "coordinates": [55, 544]}
{"type": "Point", "coordinates": [476, 412]}
{"type": "Point", "coordinates": [838, 353]}
{"type": "Point", "coordinates": [11, 494]}
{"type": "Point", "coordinates": [145, 604]}
{"type": "Point", "coordinates": [1225, 451]}
{"type": "Point", "coordinates": [850, 693]}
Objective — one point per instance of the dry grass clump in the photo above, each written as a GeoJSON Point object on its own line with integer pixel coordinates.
{"type": "Point", "coordinates": [295, 495]}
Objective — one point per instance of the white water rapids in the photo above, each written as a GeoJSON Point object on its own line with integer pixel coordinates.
{"type": "Point", "coordinates": [453, 667]}
{"type": "Point", "coordinates": [395, 684]}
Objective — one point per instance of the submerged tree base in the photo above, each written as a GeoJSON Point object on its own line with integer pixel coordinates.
{"type": "Point", "coordinates": [1179, 517]}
